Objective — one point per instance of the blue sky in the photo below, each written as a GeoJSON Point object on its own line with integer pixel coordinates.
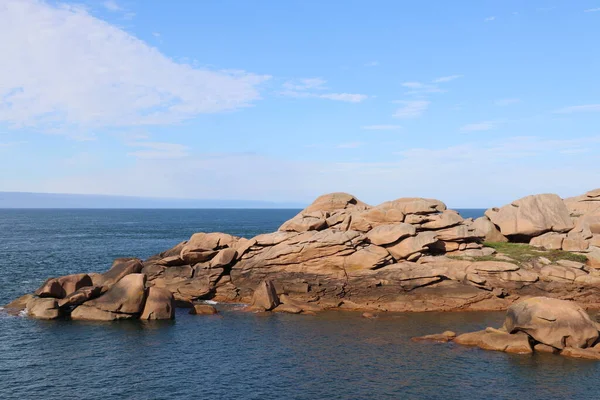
{"type": "Point", "coordinates": [474, 103]}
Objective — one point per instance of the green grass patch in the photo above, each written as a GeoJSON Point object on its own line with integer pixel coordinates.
{"type": "Point", "coordinates": [523, 253]}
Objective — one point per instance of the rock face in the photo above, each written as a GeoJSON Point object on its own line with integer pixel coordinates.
{"type": "Point", "coordinates": [532, 216]}
{"type": "Point", "coordinates": [126, 296]}
{"type": "Point", "coordinates": [160, 304]}
{"type": "Point", "coordinates": [584, 204]}
{"type": "Point", "coordinates": [557, 323]}
{"type": "Point", "coordinates": [265, 296]}
{"type": "Point", "coordinates": [43, 308]}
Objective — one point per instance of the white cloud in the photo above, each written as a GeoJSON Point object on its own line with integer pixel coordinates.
{"type": "Point", "coordinates": [446, 78]}
{"type": "Point", "coordinates": [372, 64]}
{"type": "Point", "coordinates": [592, 10]}
{"type": "Point", "coordinates": [158, 150]}
{"type": "Point", "coordinates": [351, 145]}
{"type": "Point", "coordinates": [579, 109]}
{"type": "Point", "coordinates": [156, 34]}
{"type": "Point", "coordinates": [411, 108]}
{"type": "Point", "coordinates": [419, 88]}
{"type": "Point", "coordinates": [488, 19]}
{"type": "Point", "coordinates": [112, 5]}
{"type": "Point", "coordinates": [480, 126]}
{"type": "Point", "coordinates": [506, 102]}
{"type": "Point", "coordinates": [381, 127]}
{"type": "Point", "coordinates": [305, 84]}
{"type": "Point", "coordinates": [348, 97]}
{"type": "Point", "coordinates": [80, 73]}
{"type": "Point", "coordinates": [313, 87]}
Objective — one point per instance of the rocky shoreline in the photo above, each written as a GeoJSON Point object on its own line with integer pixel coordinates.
{"type": "Point", "coordinates": [410, 254]}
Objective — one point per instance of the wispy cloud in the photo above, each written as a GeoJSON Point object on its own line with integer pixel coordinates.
{"type": "Point", "coordinates": [351, 145]}
{"type": "Point", "coordinates": [158, 150]}
{"type": "Point", "coordinates": [507, 102]}
{"type": "Point", "coordinates": [313, 88]}
{"type": "Point", "coordinates": [372, 64]}
{"type": "Point", "coordinates": [80, 73]}
{"type": "Point", "coordinates": [305, 84]}
{"type": "Point", "coordinates": [592, 10]}
{"type": "Point", "coordinates": [489, 19]}
{"type": "Point", "coordinates": [112, 5]}
{"type": "Point", "coordinates": [579, 109]}
{"type": "Point", "coordinates": [411, 108]}
{"type": "Point", "coordinates": [381, 127]}
{"type": "Point", "coordinates": [446, 78]}
{"type": "Point", "coordinates": [479, 126]}
{"type": "Point", "coordinates": [419, 88]}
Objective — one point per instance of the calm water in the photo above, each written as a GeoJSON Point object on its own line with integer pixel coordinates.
{"type": "Point", "coordinates": [235, 355]}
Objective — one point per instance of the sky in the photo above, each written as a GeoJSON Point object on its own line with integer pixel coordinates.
{"type": "Point", "coordinates": [473, 103]}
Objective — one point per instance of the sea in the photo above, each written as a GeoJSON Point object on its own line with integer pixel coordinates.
{"type": "Point", "coordinates": [237, 355]}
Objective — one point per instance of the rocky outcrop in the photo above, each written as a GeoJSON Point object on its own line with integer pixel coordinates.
{"type": "Point", "coordinates": [532, 216]}
{"type": "Point", "coordinates": [584, 204]}
{"type": "Point", "coordinates": [409, 254]}
{"type": "Point", "coordinates": [556, 323]}
{"type": "Point", "coordinates": [537, 324]}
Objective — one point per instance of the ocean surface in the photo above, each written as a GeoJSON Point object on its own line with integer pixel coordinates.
{"type": "Point", "coordinates": [334, 355]}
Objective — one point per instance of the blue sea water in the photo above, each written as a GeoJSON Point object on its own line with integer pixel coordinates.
{"type": "Point", "coordinates": [334, 355]}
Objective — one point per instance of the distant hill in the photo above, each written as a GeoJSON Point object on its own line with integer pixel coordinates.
{"type": "Point", "coordinates": [60, 200]}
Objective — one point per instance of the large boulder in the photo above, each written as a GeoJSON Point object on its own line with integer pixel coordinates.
{"type": "Point", "coordinates": [333, 202]}
{"type": "Point", "coordinates": [203, 247]}
{"type": "Point", "coordinates": [532, 216]}
{"type": "Point", "coordinates": [126, 296]}
{"type": "Point", "coordinates": [584, 204]}
{"type": "Point", "coordinates": [81, 296]}
{"type": "Point", "coordinates": [160, 304]}
{"type": "Point", "coordinates": [554, 322]}
{"type": "Point", "coordinates": [414, 205]}
{"type": "Point", "coordinates": [390, 233]}
{"type": "Point", "coordinates": [63, 286]}
{"type": "Point", "coordinates": [43, 308]}
{"type": "Point", "coordinates": [484, 227]}
{"type": "Point", "coordinates": [265, 296]}
{"type": "Point", "coordinates": [88, 313]}
{"type": "Point", "coordinates": [121, 267]}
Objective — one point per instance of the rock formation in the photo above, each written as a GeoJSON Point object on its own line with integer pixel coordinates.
{"type": "Point", "coordinates": [538, 324]}
{"type": "Point", "coordinates": [410, 254]}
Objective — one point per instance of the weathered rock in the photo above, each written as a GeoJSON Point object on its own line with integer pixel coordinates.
{"type": "Point", "coordinates": [532, 216]}
{"type": "Point", "coordinates": [335, 201]}
{"type": "Point", "coordinates": [223, 258]}
{"type": "Point", "coordinates": [265, 296]}
{"type": "Point", "coordinates": [412, 245]}
{"type": "Point", "coordinates": [438, 337]}
{"type": "Point", "coordinates": [470, 339]}
{"type": "Point", "coordinates": [126, 296]}
{"type": "Point", "coordinates": [203, 309]}
{"type": "Point", "coordinates": [446, 219]}
{"type": "Point", "coordinates": [369, 257]}
{"type": "Point", "coordinates": [544, 348]}
{"type": "Point", "coordinates": [484, 227]}
{"type": "Point", "coordinates": [160, 304]}
{"type": "Point", "coordinates": [549, 241]}
{"type": "Point", "coordinates": [557, 323]}
{"type": "Point", "coordinates": [63, 286]}
{"type": "Point", "coordinates": [589, 354]}
{"type": "Point", "coordinates": [584, 204]}
{"type": "Point", "coordinates": [303, 222]}
{"type": "Point", "coordinates": [204, 246]}
{"type": "Point", "coordinates": [18, 305]}
{"type": "Point", "coordinates": [501, 341]}
{"type": "Point", "coordinates": [414, 205]}
{"type": "Point", "coordinates": [88, 313]}
{"type": "Point", "coordinates": [121, 267]}
{"type": "Point", "coordinates": [81, 296]}
{"type": "Point", "coordinates": [287, 308]}
{"type": "Point", "coordinates": [390, 233]}
{"type": "Point", "coordinates": [43, 308]}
